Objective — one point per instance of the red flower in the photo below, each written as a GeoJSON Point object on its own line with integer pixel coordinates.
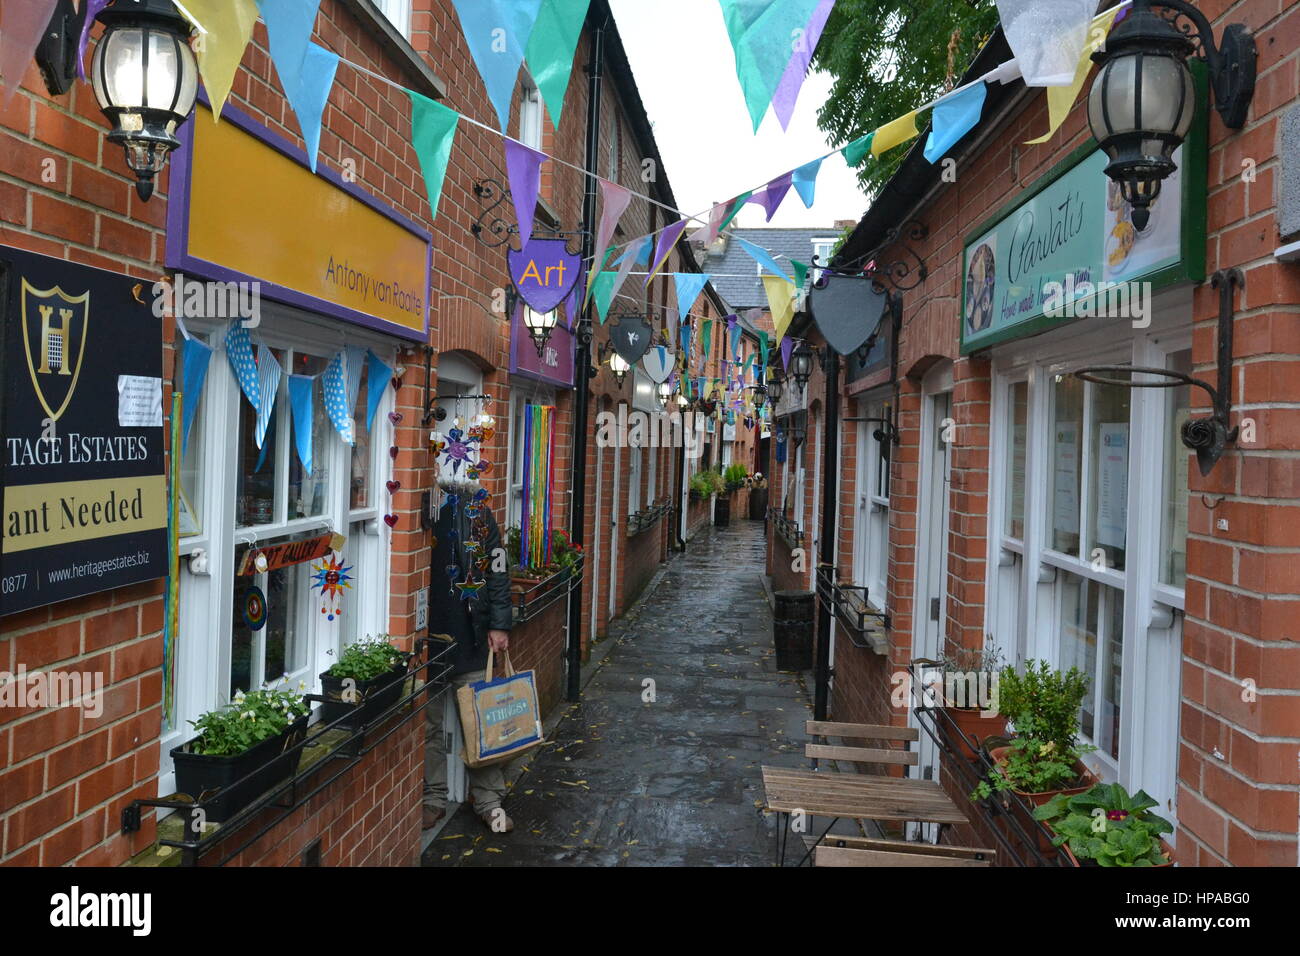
{"type": "Point", "coordinates": [1116, 814]}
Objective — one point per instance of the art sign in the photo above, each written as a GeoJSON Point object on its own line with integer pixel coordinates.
{"type": "Point", "coordinates": [84, 486]}
{"type": "Point", "coordinates": [544, 273]}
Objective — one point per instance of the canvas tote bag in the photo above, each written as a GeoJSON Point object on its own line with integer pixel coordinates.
{"type": "Point", "coordinates": [499, 718]}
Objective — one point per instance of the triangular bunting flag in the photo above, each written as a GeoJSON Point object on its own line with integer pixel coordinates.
{"type": "Point", "coordinates": [786, 346]}
{"type": "Point", "coordinates": [801, 272]}
{"type": "Point", "coordinates": [1046, 49]}
{"type": "Point", "coordinates": [302, 404]}
{"type": "Point", "coordinates": [667, 240]}
{"type": "Point", "coordinates": [603, 293]}
{"type": "Point", "coordinates": [433, 130]}
{"type": "Point", "coordinates": [780, 300]}
{"type": "Point", "coordinates": [289, 25]}
{"type": "Point", "coordinates": [551, 48]}
{"type": "Point", "coordinates": [953, 117]}
{"type": "Point", "coordinates": [378, 375]}
{"type": "Point", "coordinates": [770, 196]}
{"type": "Point", "coordinates": [497, 33]}
{"type": "Point", "coordinates": [21, 24]}
{"type": "Point", "coordinates": [1060, 99]}
{"type": "Point", "coordinates": [763, 258]}
{"type": "Point", "coordinates": [310, 93]}
{"type": "Point", "coordinates": [195, 357]}
{"type": "Point", "coordinates": [614, 201]}
{"type": "Point", "coordinates": [356, 357]}
{"type": "Point", "coordinates": [706, 339]}
{"type": "Point", "coordinates": [787, 91]}
{"type": "Point", "coordinates": [225, 27]}
{"type": "Point", "coordinates": [894, 133]}
{"type": "Point", "coordinates": [857, 151]}
{"type": "Point", "coordinates": [268, 386]}
{"type": "Point", "coordinates": [524, 166]}
{"type": "Point", "coordinates": [688, 286]}
{"type": "Point", "coordinates": [239, 352]}
{"type": "Point", "coordinates": [805, 181]}
{"type": "Point", "coordinates": [760, 32]}
{"type": "Point", "coordinates": [334, 386]}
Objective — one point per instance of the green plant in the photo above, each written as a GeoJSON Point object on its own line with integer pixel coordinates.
{"type": "Point", "coordinates": [708, 482]}
{"type": "Point", "coordinates": [963, 659]}
{"type": "Point", "coordinates": [735, 475]}
{"type": "Point", "coordinates": [1043, 706]}
{"type": "Point", "coordinates": [366, 659]}
{"type": "Point", "coordinates": [1107, 825]}
{"type": "Point", "coordinates": [246, 721]}
{"type": "Point", "coordinates": [564, 553]}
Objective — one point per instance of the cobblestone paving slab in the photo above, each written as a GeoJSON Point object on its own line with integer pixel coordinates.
{"type": "Point", "coordinates": [671, 782]}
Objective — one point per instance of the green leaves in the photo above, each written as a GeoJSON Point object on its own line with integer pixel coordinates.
{"type": "Point", "coordinates": [1107, 825]}
{"type": "Point", "coordinates": [366, 660]}
{"type": "Point", "coordinates": [888, 57]}
{"type": "Point", "coordinates": [246, 721]}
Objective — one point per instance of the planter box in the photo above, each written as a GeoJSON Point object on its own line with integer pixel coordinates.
{"type": "Point", "coordinates": [1038, 799]}
{"type": "Point", "coordinates": [374, 696]}
{"type": "Point", "coordinates": [1164, 847]}
{"type": "Point", "coordinates": [254, 772]}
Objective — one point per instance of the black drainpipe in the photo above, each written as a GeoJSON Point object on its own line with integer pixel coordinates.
{"type": "Point", "coordinates": [582, 361]}
{"type": "Point", "coordinates": [830, 509]}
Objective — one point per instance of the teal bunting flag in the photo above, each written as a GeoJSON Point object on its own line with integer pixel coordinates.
{"type": "Point", "coordinates": [762, 35]}
{"type": "Point", "coordinates": [378, 375]}
{"type": "Point", "coordinates": [195, 356]}
{"type": "Point", "coordinates": [433, 130]}
{"type": "Point", "coordinates": [551, 49]}
{"type": "Point", "coordinates": [688, 286]}
{"type": "Point", "coordinates": [602, 291]}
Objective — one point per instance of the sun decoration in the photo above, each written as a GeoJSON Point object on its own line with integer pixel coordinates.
{"type": "Point", "coordinates": [331, 577]}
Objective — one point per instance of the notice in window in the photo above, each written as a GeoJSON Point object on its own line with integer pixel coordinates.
{"type": "Point", "coordinates": [1112, 505]}
{"type": "Point", "coordinates": [1066, 487]}
{"type": "Point", "coordinates": [139, 401]}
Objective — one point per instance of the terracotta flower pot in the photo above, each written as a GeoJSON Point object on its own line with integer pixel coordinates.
{"type": "Point", "coordinates": [971, 724]}
{"type": "Point", "coordinates": [1164, 848]}
{"type": "Point", "coordinates": [1038, 799]}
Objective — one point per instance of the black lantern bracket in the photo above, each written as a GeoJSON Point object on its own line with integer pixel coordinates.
{"type": "Point", "coordinates": [56, 54]}
{"type": "Point", "coordinates": [1231, 61]}
{"type": "Point", "coordinates": [901, 274]}
{"type": "Point", "coordinates": [1208, 436]}
{"type": "Point", "coordinates": [491, 229]}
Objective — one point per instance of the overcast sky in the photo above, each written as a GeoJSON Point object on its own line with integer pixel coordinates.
{"type": "Point", "coordinates": [686, 73]}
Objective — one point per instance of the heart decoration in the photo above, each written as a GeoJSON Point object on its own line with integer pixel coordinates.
{"type": "Point", "coordinates": [394, 487]}
{"type": "Point", "coordinates": [397, 383]}
{"type": "Point", "coordinates": [395, 417]}
{"type": "Point", "coordinates": [392, 452]}
{"type": "Point", "coordinates": [390, 520]}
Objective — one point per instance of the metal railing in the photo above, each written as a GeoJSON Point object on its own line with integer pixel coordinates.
{"type": "Point", "coordinates": [201, 838]}
{"type": "Point", "coordinates": [647, 518]}
{"type": "Point", "coordinates": [847, 603]}
{"type": "Point", "coordinates": [787, 529]}
{"type": "Point", "coordinates": [1009, 816]}
{"type": "Point", "coordinates": [530, 602]}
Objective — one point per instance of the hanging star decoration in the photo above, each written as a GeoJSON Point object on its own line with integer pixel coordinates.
{"type": "Point", "coordinates": [459, 454]}
{"type": "Point", "coordinates": [331, 577]}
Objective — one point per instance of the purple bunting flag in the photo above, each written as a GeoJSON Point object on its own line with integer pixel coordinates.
{"type": "Point", "coordinates": [524, 165]}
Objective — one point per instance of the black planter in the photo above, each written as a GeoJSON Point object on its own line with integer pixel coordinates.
{"type": "Point", "coordinates": [792, 630]}
{"type": "Point", "coordinates": [374, 696]}
{"type": "Point", "coordinates": [722, 512]}
{"type": "Point", "coordinates": [758, 503]}
{"type": "Point", "coordinates": [253, 773]}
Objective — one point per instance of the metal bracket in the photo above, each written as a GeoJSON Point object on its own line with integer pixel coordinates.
{"type": "Point", "coordinates": [56, 54]}
{"type": "Point", "coordinates": [1205, 436]}
{"type": "Point", "coordinates": [902, 274]}
{"type": "Point", "coordinates": [491, 195]}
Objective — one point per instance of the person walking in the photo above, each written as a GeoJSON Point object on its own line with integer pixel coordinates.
{"type": "Point", "coordinates": [475, 624]}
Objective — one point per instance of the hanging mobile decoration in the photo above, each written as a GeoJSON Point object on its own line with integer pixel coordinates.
{"type": "Point", "coordinates": [255, 608]}
{"type": "Point", "coordinates": [331, 577]}
{"type": "Point", "coordinates": [461, 465]}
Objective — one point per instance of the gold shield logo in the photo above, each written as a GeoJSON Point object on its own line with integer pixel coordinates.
{"type": "Point", "coordinates": [54, 340]}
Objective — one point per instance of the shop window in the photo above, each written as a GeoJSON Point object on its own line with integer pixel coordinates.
{"type": "Point", "coordinates": [1013, 521]}
{"type": "Point", "coordinates": [530, 114]}
{"type": "Point", "coordinates": [1173, 529]}
{"type": "Point", "coordinates": [1108, 457]}
{"type": "Point", "coordinates": [1067, 450]}
{"type": "Point", "coordinates": [873, 505]}
{"type": "Point", "coordinates": [398, 13]}
{"type": "Point", "coordinates": [1091, 626]}
{"type": "Point", "coordinates": [520, 399]}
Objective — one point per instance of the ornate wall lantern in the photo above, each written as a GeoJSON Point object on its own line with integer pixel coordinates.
{"type": "Point", "coordinates": [1143, 98]}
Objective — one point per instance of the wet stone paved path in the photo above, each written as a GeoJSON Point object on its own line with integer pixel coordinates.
{"type": "Point", "coordinates": [676, 781]}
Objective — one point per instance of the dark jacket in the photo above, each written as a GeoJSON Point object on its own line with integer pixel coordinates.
{"type": "Point", "coordinates": [467, 621]}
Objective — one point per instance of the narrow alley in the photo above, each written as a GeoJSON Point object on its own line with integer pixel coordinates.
{"type": "Point", "coordinates": [663, 773]}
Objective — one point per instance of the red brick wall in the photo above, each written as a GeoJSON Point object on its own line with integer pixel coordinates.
{"type": "Point", "coordinates": [1238, 777]}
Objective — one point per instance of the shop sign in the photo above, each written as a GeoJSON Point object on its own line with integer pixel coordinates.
{"type": "Point", "coordinates": [1070, 250]}
{"type": "Point", "coordinates": [284, 554]}
{"type": "Point", "coordinates": [544, 273]}
{"type": "Point", "coordinates": [248, 208]}
{"type": "Point", "coordinates": [84, 485]}
{"type": "Point", "coordinates": [554, 366]}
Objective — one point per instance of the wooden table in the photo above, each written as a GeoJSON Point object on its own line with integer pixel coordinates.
{"type": "Point", "coordinates": [854, 796]}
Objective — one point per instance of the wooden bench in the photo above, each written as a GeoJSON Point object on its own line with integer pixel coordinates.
{"type": "Point", "coordinates": [856, 796]}
{"type": "Point", "coordinates": [865, 851]}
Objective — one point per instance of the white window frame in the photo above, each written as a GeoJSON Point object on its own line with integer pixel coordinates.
{"type": "Point", "coordinates": [872, 553]}
{"type": "Point", "coordinates": [398, 13]}
{"type": "Point", "coordinates": [206, 612]}
{"type": "Point", "coordinates": [818, 244]}
{"type": "Point", "coordinates": [1024, 594]}
{"type": "Point", "coordinates": [530, 113]}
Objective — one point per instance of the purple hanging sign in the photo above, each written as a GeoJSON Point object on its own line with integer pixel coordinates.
{"type": "Point", "coordinates": [553, 366]}
{"type": "Point", "coordinates": [544, 272]}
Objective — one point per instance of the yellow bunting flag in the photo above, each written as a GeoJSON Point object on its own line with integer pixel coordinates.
{"type": "Point", "coordinates": [894, 133]}
{"type": "Point", "coordinates": [780, 302]}
{"type": "Point", "coordinates": [225, 27]}
{"type": "Point", "coordinates": [1060, 99]}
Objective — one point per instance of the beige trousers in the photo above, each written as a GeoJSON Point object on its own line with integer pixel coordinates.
{"type": "Point", "coordinates": [487, 785]}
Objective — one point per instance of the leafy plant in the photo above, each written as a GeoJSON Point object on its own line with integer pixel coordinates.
{"type": "Point", "coordinates": [246, 721]}
{"type": "Point", "coordinates": [1107, 825]}
{"type": "Point", "coordinates": [366, 659]}
{"type": "Point", "coordinates": [1043, 706]}
{"type": "Point", "coordinates": [735, 475]}
{"type": "Point", "coordinates": [708, 482]}
{"type": "Point", "coordinates": [564, 553]}
{"type": "Point", "coordinates": [967, 659]}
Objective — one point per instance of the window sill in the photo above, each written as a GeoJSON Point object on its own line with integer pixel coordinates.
{"type": "Point", "coordinates": [531, 596]}
{"type": "Point", "coordinates": [374, 22]}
